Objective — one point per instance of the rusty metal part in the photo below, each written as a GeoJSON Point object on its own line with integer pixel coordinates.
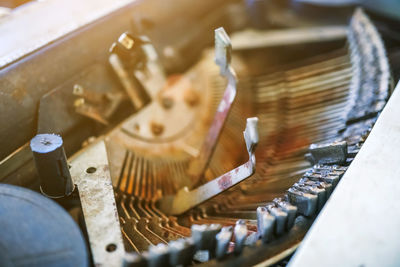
{"type": "Point", "coordinates": [165, 156]}
{"type": "Point", "coordinates": [298, 106]}
{"type": "Point", "coordinates": [79, 41]}
{"type": "Point", "coordinates": [90, 172]}
{"type": "Point", "coordinates": [191, 97]}
{"type": "Point", "coordinates": [158, 124]}
{"type": "Point", "coordinates": [287, 101]}
{"type": "Point", "coordinates": [156, 128]}
{"type": "Point", "coordinates": [140, 179]}
{"type": "Point", "coordinates": [169, 100]}
{"type": "Point", "coordinates": [185, 199]}
{"type": "Point", "coordinates": [223, 49]}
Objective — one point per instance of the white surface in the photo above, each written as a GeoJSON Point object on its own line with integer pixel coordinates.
{"type": "Point", "coordinates": [360, 224]}
{"type": "Point", "coordinates": [22, 32]}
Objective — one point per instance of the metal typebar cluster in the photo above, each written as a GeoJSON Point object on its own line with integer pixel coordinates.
{"type": "Point", "coordinates": [301, 111]}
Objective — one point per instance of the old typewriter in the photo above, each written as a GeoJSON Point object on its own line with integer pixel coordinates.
{"type": "Point", "coordinates": [213, 133]}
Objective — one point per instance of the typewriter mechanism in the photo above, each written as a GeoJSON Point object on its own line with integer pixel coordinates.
{"type": "Point", "coordinates": [214, 133]}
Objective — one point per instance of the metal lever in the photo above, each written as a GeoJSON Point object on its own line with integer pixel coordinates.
{"type": "Point", "coordinates": [223, 50]}
{"type": "Point", "coordinates": [90, 172]}
{"type": "Point", "coordinates": [185, 199]}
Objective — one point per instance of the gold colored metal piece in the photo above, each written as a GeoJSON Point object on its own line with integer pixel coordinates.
{"type": "Point", "coordinates": [156, 128]}
{"type": "Point", "coordinates": [126, 41]}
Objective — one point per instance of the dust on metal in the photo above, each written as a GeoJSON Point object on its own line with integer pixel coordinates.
{"type": "Point", "coordinates": [90, 172]}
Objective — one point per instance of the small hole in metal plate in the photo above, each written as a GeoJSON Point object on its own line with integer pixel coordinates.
{"type": "Point", "coordinates": [111, 247]}
{"type": "Point", "coordinates": [91, 170]}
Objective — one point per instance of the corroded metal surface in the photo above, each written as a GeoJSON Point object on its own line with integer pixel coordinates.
{"type": "Point", "coordinates": [315, 92]}
{"type": "Point", "coordinates": [90, 172]}
{"type": "Point", "coordinates": [185, 199]}
{"type": "Point", "coordinates": [173, 142]}
{"type": "Point", "coordinates": [223, 50]}
{"type": "Point", "coordinates": [297, 106]}
{"type": "Point", "coordinates": [168, 132]}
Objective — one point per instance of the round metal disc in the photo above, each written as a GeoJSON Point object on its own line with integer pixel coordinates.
{"type": "Point", "coordinates": [36, 231]}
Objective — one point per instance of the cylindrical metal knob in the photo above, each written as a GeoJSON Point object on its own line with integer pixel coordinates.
{"type": "Point", "coordinates": [51, 165]}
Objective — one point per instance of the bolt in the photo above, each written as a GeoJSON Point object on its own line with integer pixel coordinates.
{"type": "Point", "coordinates": [79, 102]}
{"type": "Point", "coordinates": [191, 97]}
{"type": "Point", "coordinates": [156, 128]}
{"type": "Point", "coordinates": [167, 102]}
{"type": "Point", "coordinates": [77, 90]}
{"type": "Point", "coordinates": [126, 41]}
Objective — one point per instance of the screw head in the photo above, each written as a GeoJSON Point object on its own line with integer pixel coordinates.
{"type": "Point", "coordinates": [126, 41]}
{"type": "Point", "coordinates": [78, 90]}
{"type": "Point", "coordinates": [79, 102]}
{"type": "Point", "coordinates": [191, 97]}
{"type": "Point", "coordinates": [156, 128]}
{"type": "Point", "coordinates": [167, 102]}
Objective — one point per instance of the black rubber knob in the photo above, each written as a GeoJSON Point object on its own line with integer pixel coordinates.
{"type": "Point", "coordinates": [51, 165]}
